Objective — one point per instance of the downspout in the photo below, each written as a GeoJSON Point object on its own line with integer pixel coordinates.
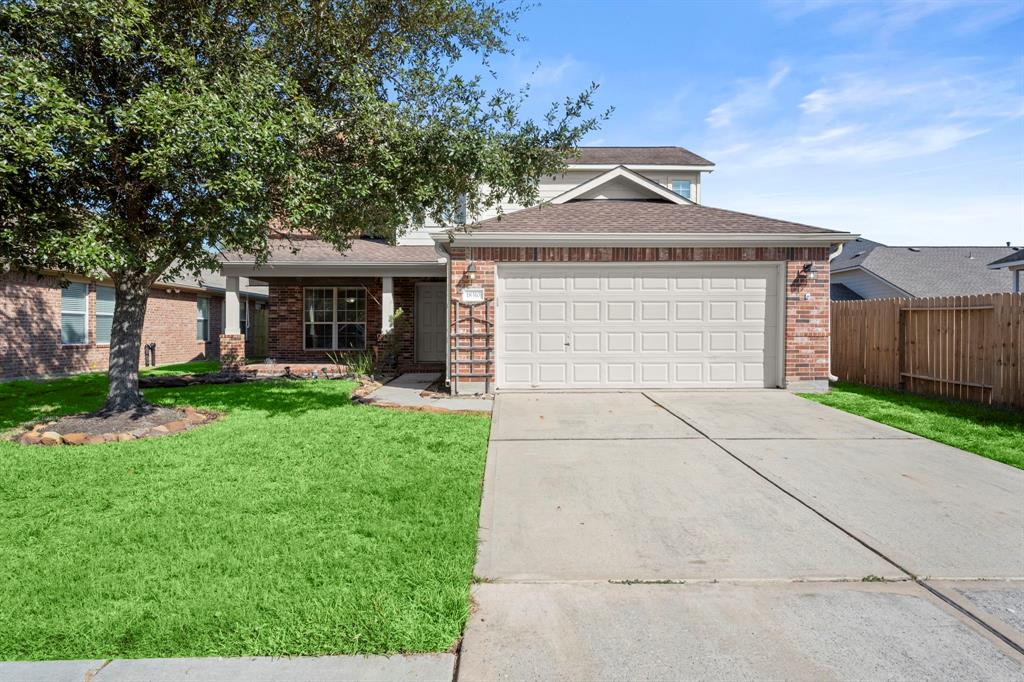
{"type": "Point", "coordinates": [831, 257]}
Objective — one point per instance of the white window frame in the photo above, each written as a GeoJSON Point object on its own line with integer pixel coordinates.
{"type": "Point", "coordinates": [84, 314]}
{"type": "Point", "coordinates": [199, 299]}
{"type": "Point", "coordinates": [334, 317]}
{"type": "Point", "coordinates": [97, 314]}
{"type": "Point", "coordinates": [243, 317]}
{"type": "Point", "coordinates": [675, 180]}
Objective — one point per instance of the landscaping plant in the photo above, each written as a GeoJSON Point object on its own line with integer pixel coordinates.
{"type": "Point", "coordinates": [138, 138]}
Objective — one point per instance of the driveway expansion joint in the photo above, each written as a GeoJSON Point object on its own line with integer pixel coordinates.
{"type": "Point", "coordinates": [918, 580]}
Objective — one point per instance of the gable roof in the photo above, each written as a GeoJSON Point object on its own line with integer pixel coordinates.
{"type": "Point", "coordinates": [933, 270]}
{"type": "Point", "coordinates": [840, 292]}
{"type": "Point", "coordinates": [362, 251]}
{"type": "Point", "coordinates": [638, 156]}
{"type": "Point", "coordinates": [1015, 258]}
{"type": "Point", "coordinates": [619, 216]}
{"type": "Point", "coordinates": [645, 187]}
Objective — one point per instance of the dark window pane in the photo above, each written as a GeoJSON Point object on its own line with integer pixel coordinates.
{"type": "Point", "coordinates": [351, 305]}
{"type": "Point", "coordinates": [318, 336]}
{"type": "Point", "coordinates": [351, 336]}
{"type": "Point", "coordinates": [318, 305]}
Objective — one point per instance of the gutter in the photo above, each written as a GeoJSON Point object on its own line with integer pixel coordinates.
{"type": "Point", "coordinates": [832, 256]}
{"type": "Point", "coordinates": [642, 239]}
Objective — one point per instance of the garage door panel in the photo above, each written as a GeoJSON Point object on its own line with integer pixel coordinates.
{"type": "Point", "coordinates": [635, 326]}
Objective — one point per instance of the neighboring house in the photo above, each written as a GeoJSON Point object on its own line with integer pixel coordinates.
{"type": "Point", "coordinates": [1014, 264]}
{"type": "Point", "coordinates": [866, 269]}
{"type": "Point", "coordinates": [620, 279]}
{"type": "Point", "coordinates": [50, 330]}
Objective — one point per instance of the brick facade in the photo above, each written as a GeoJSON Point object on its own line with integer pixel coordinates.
{"type": "Point", "coordinates": [30, 342]}
{"type": "Point", "coordinates": [807, 299]}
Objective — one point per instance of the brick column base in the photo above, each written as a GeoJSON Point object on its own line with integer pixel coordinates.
{"type": "Point", "coordinates": [232, 351]}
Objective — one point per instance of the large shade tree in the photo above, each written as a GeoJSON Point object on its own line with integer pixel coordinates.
{"type": "Point", "coordinates": [138, 137]}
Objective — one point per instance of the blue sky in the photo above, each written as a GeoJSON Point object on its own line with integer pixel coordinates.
{"type": "Point", "coordinates": [901, 121]}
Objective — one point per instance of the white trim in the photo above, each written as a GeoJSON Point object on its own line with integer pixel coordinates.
{"type": "Point", "coordinates": [643, 239]}
{"type": "Point", "coordinates": [387, 303]}
{"type": "Point", "coordinates": [621, 172]}
{"type": "Point", "coordinates": [669, 168]}
{"type": "Point", "coordinates": [334, 318]}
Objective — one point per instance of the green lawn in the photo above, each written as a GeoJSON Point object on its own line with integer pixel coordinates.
{"type": "Point", "coordinates": [299, 524]}
{"type": "Point", "coordinates": [993, 433]}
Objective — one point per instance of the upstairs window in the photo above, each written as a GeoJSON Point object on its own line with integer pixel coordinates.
{"type": "Point", "coordinates": [74, 308]}
{"type": "Point", "coordinates": [683, 188]}
{"type": "Point", "coordinates": [104, 314]}
{"type": "Point", "coordinates": [202, 319]}
{"type": "Point", "coordinates": [335, 319]}
{"type": "Point", "coordinates": [460, 210]}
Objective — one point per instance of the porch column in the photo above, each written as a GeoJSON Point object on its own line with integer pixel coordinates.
{"type": "Point", "coordinates": [231, 309]}
{"type": "Point", "coordinates": [387, 303]}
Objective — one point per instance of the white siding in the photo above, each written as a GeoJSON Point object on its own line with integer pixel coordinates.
{"type": "Point", "coordinates": [867, 285]}
{"type": "Point", "coordinates": [550, 187]}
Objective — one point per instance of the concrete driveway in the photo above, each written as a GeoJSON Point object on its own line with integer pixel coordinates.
{"type": "Point", "coordinates": [739, 534]}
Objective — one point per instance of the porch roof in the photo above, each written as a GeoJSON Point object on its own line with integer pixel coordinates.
{"type": "Point", "coordinates": [315, 257]}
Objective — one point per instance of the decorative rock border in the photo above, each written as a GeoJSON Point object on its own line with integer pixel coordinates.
{"type": "Point", "coordinates": [43, 434]}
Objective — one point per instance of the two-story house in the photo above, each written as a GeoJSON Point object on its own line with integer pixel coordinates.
{"type": "Point", "coordinates": [619, 278]}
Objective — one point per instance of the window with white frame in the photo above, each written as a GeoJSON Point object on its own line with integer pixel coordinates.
{"type": "Point", "coordinates": [74, 309]}
{"type": "Point", "coordinates": [104, 313]}
{"type": "Point", "coordinates": [335, 318]}
{"type": "Point", "coordinates": [683, 188]}
{"type": "Point", "coordinates": [202, 319]}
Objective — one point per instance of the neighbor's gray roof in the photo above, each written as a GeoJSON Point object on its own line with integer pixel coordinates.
{"type": "Point", "coordinates": [854, 252]}
{"type": "Point", "coordinates": [936, 270]}
{"type": "Point", "coordinates": [616, 216]}
{"type": "Point", "coordinates": [361, 251]}
{"type": "Point", "coordinates": [1016, 257]}
{"type": "Point", "coordinates": [639, 156]}
{"type": "Point", "coordinates": [214, 282]}
{"type": "Point", "coordinates": [840, 292]}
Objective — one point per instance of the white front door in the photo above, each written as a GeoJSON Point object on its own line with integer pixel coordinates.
{"type": "Point", "coordinates": [431, 322]}
{"type": "Point", "coordinates": [626, 325]}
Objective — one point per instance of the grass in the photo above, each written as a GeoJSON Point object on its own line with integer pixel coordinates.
{"type": "Point", "coordinates": [990, 432]}
{"type": "Point", "coordinates": [298, 524]}
{"type": "Point", "coordinates": [196, 367]}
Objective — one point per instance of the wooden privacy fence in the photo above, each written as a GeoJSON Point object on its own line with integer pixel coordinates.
{"type": "Point", "coordinates": [959, 347]}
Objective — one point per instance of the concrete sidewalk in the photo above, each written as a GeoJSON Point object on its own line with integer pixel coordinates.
{"type": "Point", "coordinates": [405, 390]}
{"type": "Point", "coordinates": [415, 668]}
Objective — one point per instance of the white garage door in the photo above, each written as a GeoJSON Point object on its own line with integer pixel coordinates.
{"type": "Point", "coordinates": [637, 326]}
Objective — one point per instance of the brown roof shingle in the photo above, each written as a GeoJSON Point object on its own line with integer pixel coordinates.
{"type": "Point", "coordinates": [361, 251]}
{"type": "Point", "coordinates": [616, 216]}
{"type": "Point", "coordinates": [640, 156]}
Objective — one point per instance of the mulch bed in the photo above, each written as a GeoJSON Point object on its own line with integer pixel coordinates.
{"type": "Point", "coordinates": [238, 377]}
{"type": "Point", "coordinates": [93, 428]}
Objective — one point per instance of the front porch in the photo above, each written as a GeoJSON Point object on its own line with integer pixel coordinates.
{"type": "Point", "coordinates": [385, 301]}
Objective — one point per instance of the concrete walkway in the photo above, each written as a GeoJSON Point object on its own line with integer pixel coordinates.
{"type": "Point", "coordinates": [405, 391]}
{"type": "Point", "coordinates": [739, 534]}
{"type": "Point", "coordinates": [418, 668]}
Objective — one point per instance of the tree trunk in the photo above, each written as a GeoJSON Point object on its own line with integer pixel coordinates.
{"type": "Point", "coordinates": [126, 342]}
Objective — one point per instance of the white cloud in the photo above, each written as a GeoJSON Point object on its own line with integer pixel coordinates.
{"type": "Point", "coordinates": [887, 19]}
{"type": "Point", "coordinates": [752, 96]}
{"type": "Point", "coordinates": [552, 74]}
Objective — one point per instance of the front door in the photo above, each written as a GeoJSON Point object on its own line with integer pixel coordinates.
{"type": "Point", "coordinates": [430, 321]}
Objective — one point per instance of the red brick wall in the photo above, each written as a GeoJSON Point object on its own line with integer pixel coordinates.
{"type": "Point", "coordinates": [285, 321]}
{"type": "Point", "coordinates": [30, 343]}
{"type": "Point", "coordinates": [807, 319]}
{"type": "Point", "coordinates": [285, 317]}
